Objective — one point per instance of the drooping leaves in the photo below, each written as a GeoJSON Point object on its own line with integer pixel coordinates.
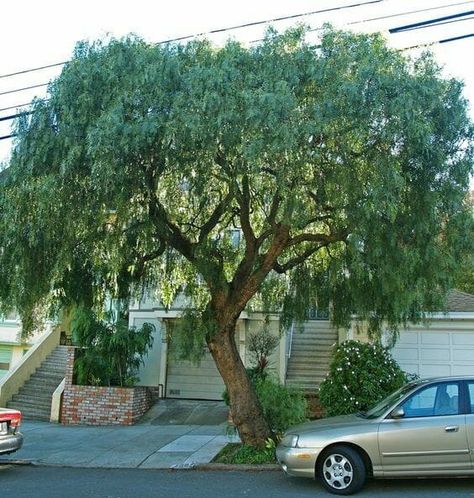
{"type": "Point", "coordinates": [278, 175]}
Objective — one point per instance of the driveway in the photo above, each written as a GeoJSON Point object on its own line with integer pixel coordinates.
{"type": "Point", "coordinates": [173, 434]}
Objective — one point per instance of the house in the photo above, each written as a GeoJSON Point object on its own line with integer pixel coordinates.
{"type": "Point", "coordinates": [179, 378]}
{"type": "Point", "coordinates": [12, 348]}
{"type": "Point", "coordinates": [442, 346]}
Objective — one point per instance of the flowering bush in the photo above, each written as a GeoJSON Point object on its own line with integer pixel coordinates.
{"type": "Point", "coordinates": [360, 375]}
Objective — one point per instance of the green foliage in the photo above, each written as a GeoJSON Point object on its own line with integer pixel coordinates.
{"type": "Point", "coordinates": [261, 345]}
{"type": "Point", "coordinates": [361, 374]}
{"type": "Point", "coordinates": [237, 453]}
{"type": "Point", "coordinates": [343, 167]}
{"type": "Point", "coordinates": [112, 352]}
{"type": "Point", "coordinates": [282, 405]}
{"type": "Point", "coordinates": [338, 163]}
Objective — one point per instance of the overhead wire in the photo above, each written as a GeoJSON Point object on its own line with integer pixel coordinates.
{"type": "Point", "coordinates": [435, 22]}
{"type": "Point", "coordinates": [428, 23]}
{"type": "Point", "coordinates": [219, 30]}
{"type": "Point", "coordinates": [24, 88]}
{"type": "Point", "coordinates": [451, 21]}
{"type": "Point", "coordinates": [254, 23]}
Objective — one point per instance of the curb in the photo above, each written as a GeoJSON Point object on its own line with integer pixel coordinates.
{"type": "Point", "coordinates": [16, 462]}
{"type": "Point", "coordinates": [263, 467]}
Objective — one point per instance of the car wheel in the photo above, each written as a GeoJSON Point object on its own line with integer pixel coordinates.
{"type": "Point", "coordinates": [342, 470]}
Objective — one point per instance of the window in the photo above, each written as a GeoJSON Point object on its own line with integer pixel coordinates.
{"type": "Point", "coordinates": [470, 386]}
{"type": "Point", "coordinates": [437, 400]}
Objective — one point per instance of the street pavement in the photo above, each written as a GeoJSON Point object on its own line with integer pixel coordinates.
{"type": "Point", "coordinates": [27, 481]}
{"type": "Point", "coordinates": [174, 434]}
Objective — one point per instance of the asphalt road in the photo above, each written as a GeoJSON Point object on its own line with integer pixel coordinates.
{"type": "Point", "coordinates": [51, 482]}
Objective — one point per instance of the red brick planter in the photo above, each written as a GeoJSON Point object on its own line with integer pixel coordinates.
{"type": "Point", "coordinates": [96, 405]}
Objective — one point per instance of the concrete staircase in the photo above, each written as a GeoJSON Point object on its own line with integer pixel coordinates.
{"type": "Point", "coordinates": [311, 353]}
{"type": "Point", "coordinates": [34, 398]}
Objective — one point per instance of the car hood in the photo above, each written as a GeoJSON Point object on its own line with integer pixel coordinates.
{"type": "Point", "coordinates": [340, 422]}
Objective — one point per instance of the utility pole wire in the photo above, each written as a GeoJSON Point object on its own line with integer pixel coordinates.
{"type": "Point", "coordinates": [23, 89]}
{"type": "Point", "coordinates": [416, 25]}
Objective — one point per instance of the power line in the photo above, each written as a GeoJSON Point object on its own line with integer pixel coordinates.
{"type": "Point", "coordinates": [416, 25]}
{"type": "Point", "coordinates": [456, 38]}
{"type": "Point", "coordinates": [451, 21]}
{"type": "Point", "coordinates": [13, 116]}
{"type": "Point", "coordinates": [220, 30]}
{"type": "Point", "coordinates": [429, 23]}
{"type": "Point", "coordinates": [408, 12]}
{"type": "Point", "coordinates": [275, 19]}
{"type": "Point", "coordinates": [5, 137]}
{"type": "Point", "coordinates": [445, 40]}
{"type": "Point", "coordinates": [255, 23]}
{"type": "Point", "coordinates": [19, 105]}
{"type": "Point", "coordinates": [25, 88]}
{"type": "Point", "coordinates": [32, 69]}
{"type": "Point", "coordinates": [390, 16]}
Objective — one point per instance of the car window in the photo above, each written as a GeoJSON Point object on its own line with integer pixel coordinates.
{"type": "Point", "coordinates": [382, 406]}
{"type": "Point", "coordinates": [437, 400]}
{"type": "Point", "coordinates": [471, 395]}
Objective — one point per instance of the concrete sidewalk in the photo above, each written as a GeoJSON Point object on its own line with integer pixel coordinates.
{"type": "Point", "coordinates": [166, 438]}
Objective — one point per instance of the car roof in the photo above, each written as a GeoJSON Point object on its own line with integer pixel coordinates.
{"type": "Point", "coordinates": [443, 379]}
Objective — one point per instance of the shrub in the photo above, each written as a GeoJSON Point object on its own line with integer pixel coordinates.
{"type": "Point", "coordinates": [261, 345]}
{"type": "Point", "coordinates": [282, 406]}
{"type": "Point", "coordinates": [112, 352]}
{"type": "Point", "coordinates": [360, 375]}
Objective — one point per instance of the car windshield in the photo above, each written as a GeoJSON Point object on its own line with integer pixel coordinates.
{"type": "Point", "coordinates": [380, 408]}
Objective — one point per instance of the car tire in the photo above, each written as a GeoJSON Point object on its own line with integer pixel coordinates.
{"type": "Point", "coordinates": [342, 470]}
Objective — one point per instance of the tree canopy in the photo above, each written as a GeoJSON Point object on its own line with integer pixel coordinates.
{"type": "Point", "coordinates": [283, 176]}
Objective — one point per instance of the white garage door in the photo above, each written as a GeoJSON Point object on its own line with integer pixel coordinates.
{"type": "Point", "coordinates": [189, 381]}
{"type": "Point", "coordinates": [444, 348]}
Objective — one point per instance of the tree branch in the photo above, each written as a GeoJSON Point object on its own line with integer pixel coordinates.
{"type": "Point", "coordinates": [169, 231]}
{"type": "Point", "coordinates": [319, 237]}
{"type": "Point", "coordinates": [292, 263]}
{"type": "Point", "coordinates": [215, 217]}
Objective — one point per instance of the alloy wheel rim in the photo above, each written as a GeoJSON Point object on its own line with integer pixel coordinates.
{"type": "Point", "coordinates": [338, 471]}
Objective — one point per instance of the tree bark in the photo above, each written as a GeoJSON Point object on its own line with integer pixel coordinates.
{"type": "Point", "coordinates": [246, 410]}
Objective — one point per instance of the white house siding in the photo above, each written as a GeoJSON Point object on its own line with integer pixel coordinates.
{"type": "Point", "coordinates": [5, 359]}
{"type": "Point", "coordinates": [150, 373]}
{"type": "Point", "coordinates": [444, 347]}
{"type": "Point", "coordinates": [12, 348]}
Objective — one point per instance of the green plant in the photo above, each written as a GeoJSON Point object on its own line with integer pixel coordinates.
{"type": "Point", "coordinates": [261, 345]}
{"type": "Point", "coordinates": [237, 453]}
{"type": "Point", "coordinates": [282, 405]}
{"type": "Point", "coordinates": [360, 375]}
{"type": "Point", "coordinates": [112, 352]}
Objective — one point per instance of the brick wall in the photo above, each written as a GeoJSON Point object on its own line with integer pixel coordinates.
{"type": "Point", "coordinates": [96, 405]}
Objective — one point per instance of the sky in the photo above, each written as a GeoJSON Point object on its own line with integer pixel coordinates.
{"type": "Point", "coordinates": [34, 34]}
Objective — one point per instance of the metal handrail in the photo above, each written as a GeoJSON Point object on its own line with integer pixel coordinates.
{"type": "Point", "coordinates": [290, 339]}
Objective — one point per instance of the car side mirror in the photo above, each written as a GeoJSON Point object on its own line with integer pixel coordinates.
{"type": "Point", "coordinates": [398, 412]}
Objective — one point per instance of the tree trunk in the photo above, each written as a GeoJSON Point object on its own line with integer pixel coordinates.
{"type": "Point", "coordinates": [246, 410]}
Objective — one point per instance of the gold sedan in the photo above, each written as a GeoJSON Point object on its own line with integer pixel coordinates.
{"type": "Point", "coordinates": [424, 429]}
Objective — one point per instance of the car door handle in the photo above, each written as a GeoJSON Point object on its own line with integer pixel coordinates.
{"type": "Point", "coordinates": [452, 428]}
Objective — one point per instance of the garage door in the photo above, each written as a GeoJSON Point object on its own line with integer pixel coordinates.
{"type": "Point", "coordinates": [444, 348]}
{"type": "Point", "coordinates": [189, 381]}
{"type": "Point", "coordinates": [5, 358]}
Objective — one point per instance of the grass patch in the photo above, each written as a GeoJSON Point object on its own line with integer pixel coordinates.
{"type": "Point", "coordinates": [238, 453]}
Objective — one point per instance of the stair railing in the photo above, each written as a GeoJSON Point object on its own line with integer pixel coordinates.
{"type": "Point", "coordinates": [289, 342]}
